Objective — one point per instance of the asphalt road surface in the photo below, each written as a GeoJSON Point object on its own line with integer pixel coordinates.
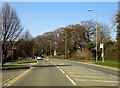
{"type": "Point", "coordinates": [66, 73]}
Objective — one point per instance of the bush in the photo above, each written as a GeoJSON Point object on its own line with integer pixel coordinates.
{"type": "Point", "coordinates": [111, 53]}
{"type": "Point", "coordinates": [84, 54]}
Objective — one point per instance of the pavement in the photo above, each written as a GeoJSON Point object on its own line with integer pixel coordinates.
{"type": "Point", "coordinates": [66, 73]}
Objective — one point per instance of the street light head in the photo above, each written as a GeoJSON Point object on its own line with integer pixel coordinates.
{"type": "Point", "coordinates": [89, 9]}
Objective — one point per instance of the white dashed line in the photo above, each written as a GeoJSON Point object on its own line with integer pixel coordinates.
{"type": "Point", "coordinates": [71, 80]}
{"type": "Point", "coordinates": [66, 75]}
{"type": "Point", "coordinates": [62, 71]}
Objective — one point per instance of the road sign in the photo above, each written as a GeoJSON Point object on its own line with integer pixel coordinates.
{"type": "Point", "coordinates": [54, 52]}
{"type": "Point", "coordinates": [101, 45]}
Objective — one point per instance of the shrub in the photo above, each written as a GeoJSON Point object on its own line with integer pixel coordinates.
{"type": "Point", "coordinates": [111, 53]}
{"type": "Point", "coordinates": [84, 54]}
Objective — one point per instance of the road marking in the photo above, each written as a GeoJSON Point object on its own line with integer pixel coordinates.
{"type": "Point", "coordinates": [62, 71]}
{"type": "Point", "coordinates": [57, 67]}
{"type": "Point", "coordinates": [53, 63]}
{"type": "Point", "coordinates": [11, 77]}
{"type": "Point", "coordinates": [92, 76]}
{"type": "Point", "coordinates": [113, 76]}
{"type": "Point", "coordinates": [96, 81]}
{"type": "Point", "coordinates": [116, 69]}
{"type": "Point", "coordinates": [85, 73]}
{"type": "Point", "coordinates": [66, 75]}
{"type": "Point", "coordinates": [62, 64]}
{"type": "Point", "coordinates": [16, 78]}
{"type": "Point", "coordinates": [71, 80]}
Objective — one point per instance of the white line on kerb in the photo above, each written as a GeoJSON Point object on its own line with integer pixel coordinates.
{"type": "Point", "coordinates": [71, 80]}
{"type": "Point", "coordinates": [57, 67]}
{"type": "Point", "coordinates": [62, 71]}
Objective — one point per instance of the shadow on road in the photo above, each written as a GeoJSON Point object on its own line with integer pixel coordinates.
{"type": "Point", "coordinates": [49, 65]}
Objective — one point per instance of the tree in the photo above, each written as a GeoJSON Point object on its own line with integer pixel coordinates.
{"type": "Point", "coordinates": [26, 35]}
{"type": "Point", "coordinates": [118, 33]}
{"type": "Point", "coordinates": [11, 28]}
{"type": "Point", "coordinates": [0, 34]}
{"type": "Point", "coordinates": [103, 32]}
{"type": "Point", "coordinates": [25, 45]}
{"type": "Point", "coordinates": [90, 27]}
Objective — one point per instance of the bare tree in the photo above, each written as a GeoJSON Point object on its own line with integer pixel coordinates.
{"type": "Point", "coordinates": [26, 35]}
{"type": "Point", "coordinates": [90, 27]}
{"type": "Point", "coordinates": [103, 32]}
{"type": "Point", "coordinates": [26, 43]}
{"type": "Point", "coordinates": [11, 28]}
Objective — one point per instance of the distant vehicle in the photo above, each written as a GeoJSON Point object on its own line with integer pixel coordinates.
{"type": "Point", "coordinates": [39, 58]}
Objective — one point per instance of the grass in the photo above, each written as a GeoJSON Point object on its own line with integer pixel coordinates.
{"type": "Point", "coordinates": [12, 65]}
{"type": "Point", "coordinates": [8, 67]}
{"type": "Point", "coordinates": [25, 60]}
{"type": "Point", "coordinates": [109, 63]}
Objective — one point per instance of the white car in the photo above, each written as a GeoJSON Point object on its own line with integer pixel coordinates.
{"type": "Point", "coordinates": [39, 58]}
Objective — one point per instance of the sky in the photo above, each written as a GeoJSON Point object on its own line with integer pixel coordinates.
{"type": "Point", "coordinates": [41, 17]}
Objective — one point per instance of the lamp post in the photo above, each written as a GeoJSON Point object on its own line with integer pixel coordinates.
{"type": "Point", "coordinates": [66, 45]}
{"type": "Point", "coordinates": [96, 32]}
{"type": "Point", "coordinates": [49, 41]}
{"type": "Point", "coordinates": [50, 48]}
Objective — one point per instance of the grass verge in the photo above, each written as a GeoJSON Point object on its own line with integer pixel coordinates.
{"type": "Point", "coordinates": [109, 63]}
{"type": "Point", "coordinates": [25, 60]}
{"type": "Point", "coordinates": [9, 67]}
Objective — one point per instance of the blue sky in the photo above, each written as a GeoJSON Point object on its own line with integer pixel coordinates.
{"type": "Point", "coordinates": [41, 17]}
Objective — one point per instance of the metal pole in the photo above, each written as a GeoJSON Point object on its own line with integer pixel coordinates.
{"type": "Point", "coordinates": [96, 35]}
{"type": "Point", "coordinates": [103, 54]}
{"type": "Point", "coordinates": [66, 45]}
{"type": "Point", "coordinates": [50, 47]}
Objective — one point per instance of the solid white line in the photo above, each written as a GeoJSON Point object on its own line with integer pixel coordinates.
{"type": "Point", "coordinates": [71, 80]}
{"type": "Point", "coordinates": [62, 71]}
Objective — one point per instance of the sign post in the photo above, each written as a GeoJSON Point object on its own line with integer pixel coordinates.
{"type": "Point", "coordinates": [55, 53]}
{"type": "Point", "coordinates": [102, 54]}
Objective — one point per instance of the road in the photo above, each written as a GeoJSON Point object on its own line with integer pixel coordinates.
{"type": "Point", "coordinates": [66, 73]}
